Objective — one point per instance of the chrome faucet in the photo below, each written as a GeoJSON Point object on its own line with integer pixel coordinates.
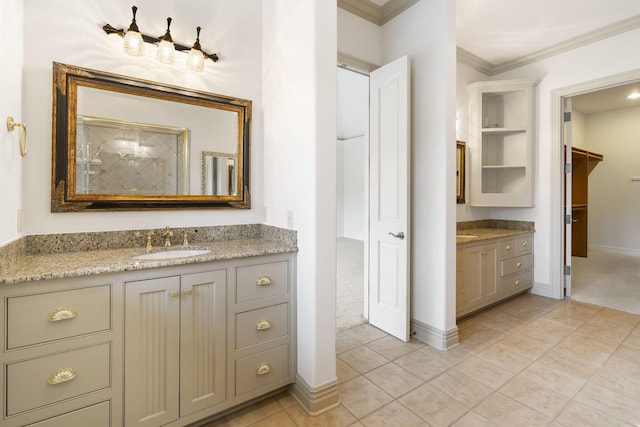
{"type": "Point", "coordinates": [167, 234]}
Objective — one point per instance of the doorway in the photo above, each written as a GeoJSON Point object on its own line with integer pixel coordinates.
{"type": "Point", "coordinates": [352, 190]}
{"type": "Point", "coordinates": [604, 122]}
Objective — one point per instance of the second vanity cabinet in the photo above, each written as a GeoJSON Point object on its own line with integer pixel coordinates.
{"type": "Point", "coordinates": [492, 270]}
{"type": "Point", "coordinates": [165, 346]}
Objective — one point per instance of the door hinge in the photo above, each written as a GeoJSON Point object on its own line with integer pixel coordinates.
{"type": "Point", "coordinates": [567, 116]}
{"type": "Point", "coordinates": [567, 219]}
{"type": "Point", "coordinates": [567, 168]}
{"type": "Point", "coordinates": [567, 270]}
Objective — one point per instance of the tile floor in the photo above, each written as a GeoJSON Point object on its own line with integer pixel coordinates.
{"type": "Point", "coordinates": [531, 361]}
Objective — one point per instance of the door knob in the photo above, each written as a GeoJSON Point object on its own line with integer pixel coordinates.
{"type": "Point", "coordinates": [399, 235]}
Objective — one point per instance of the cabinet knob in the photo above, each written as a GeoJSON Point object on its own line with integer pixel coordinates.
{"type": "Point", "coordinates": [263, 369]}
{"type": "Point", "coordinates": [508, 247]}
{"type": "Point", "coordinates": [518, 264]}
{"type": "Point", "coordinates": [188, 291]}
{"type": "Point", "coordinates": [62, 376]}
{"type": "Point", "coordinates": [263, 281]}
{"type": "Point", "coordinates": [174, 294]}
{"type": "Point", "coordinates": [263, 325]}
{"type": "Point", "coordinates": [525, 243]}
{"type": "Point", "coordinates": [517, 282]}
{"type": "Point", "coordinates": [62, 313]}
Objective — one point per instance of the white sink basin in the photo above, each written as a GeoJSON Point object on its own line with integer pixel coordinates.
{"type": "Point", "coordinates": [466, 236]}
{"type": "Point", "coordinates": [171, 254]}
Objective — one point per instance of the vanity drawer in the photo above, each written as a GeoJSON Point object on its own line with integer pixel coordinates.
{"type": "Point", "coordinates": [262, 325]}
{"type": "Point", "coordinates": [261, 281]}
{"type": "Point", "coordinates": [517, 264]}
{"type": "Point", "coordinates": [508, 248]}
{"type": "Point", "coordinates": [525, 244]}
{"type": "Point", "coordinates": [95, 416]}
{"type": "Point", "coordinates": [518, 283]}
{"type": "Point", "coordinates": [262, 369]}
{"type": "Point", "coordinates": [33, 383]}
{"type": "Point", "coordinates": [38, 318]}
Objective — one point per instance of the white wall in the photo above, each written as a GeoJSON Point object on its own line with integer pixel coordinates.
{"type": "Point", "coordinates": [614, 201]}
{"type": "Point", "coordinates": [71, 33]}
{"type": "Point", "coordinates": [299, 46]}
{"type": "Point", "coordinates": [11, 27]}
{"type": "Point", "coordinates": [359, 37]}
{"type": "Point", "coordinates": [578, 130]}
{"type": "Point", "coordinates": [433, 134]}
{"type": "Point", "coordinates": [351, 187]}
{"type": "Point", "coordinates": [597, 60]}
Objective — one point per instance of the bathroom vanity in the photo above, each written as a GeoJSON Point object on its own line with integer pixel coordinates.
{"type": "Point", "coordinates": [100, 338]}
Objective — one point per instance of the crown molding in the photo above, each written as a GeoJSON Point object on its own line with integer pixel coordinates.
{"type": "Point", "coordinates": [374, 13]}
{"type": "Point", "coordinates": [490, 69]}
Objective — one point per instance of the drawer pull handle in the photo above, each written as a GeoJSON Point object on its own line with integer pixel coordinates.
{"type": "Point", "coordinates": [518, 264]}
{"type": "Point", "coordinates": [517, 282]}
{"type": "Point", "coordinates": [62, 313]}
{"type": "Point", "coordinates": [263, 281]}
{"type": "Point", "coordinates": [508, 247]}
{"type": "Point", "coordinates": [525, 243]}
{"type": "Point", "coordinates": [188, 291]}
{"type": "Point", "coordinates": [263, 369]}
{"type": "Point", "coordinates": [62, 375]}
{"type": "Point", "coordinates": [263, 325]}
{"type": "Point", "coordinates": [174, 294]}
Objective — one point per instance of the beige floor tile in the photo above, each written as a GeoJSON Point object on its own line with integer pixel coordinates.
{"type": "Point", "coordinates": [576, 414]}
{"type": "Point", "coordinates": [462, 388]}
{"type": "Point", "coordinates": [361, 397]}
{"type": "Point", "coordinates": [549, 331]}
{"type": "Point", "coordinates": [393, 415]}
{"type": "Point", "coordinates": [535, 396]}
{"type": "Point", "coordinates": [433, 406]}
{"type": "Point", "coordinates": [472, 419]}
{"type": "Point", "coordinates": [449, 358]}
{"type": "Point", "coordinates": [602, 331]}
{"type": "Point", "coordinates": [392, 348]}
{"type": "Point", "coordinates": [336, 417]}
{"type": "Point", "coordinates": [280, 419]}
{"type": "Point", "coordinates": [573, 313]}
{"type": "Point", "coordinates": [477, 337]}
{"type": "Point", "coordinates": [621, 381]}
{"type": "Point", "coordinates": [629, 353]}
{"type": "Point", "coordinates": [421, 365]}
{"type": "Point", "coordinates": [485, 372]}
{"type": "Point", "coordinates": [506, 412]}
{"type": "Point", "coordinates": [394, 380]}
{"type": "Point", "coordinates": [286, 400]}
{"type": "Point", "coordinates": [356, 424]}
{"type": "Point", "coordinates": [366, 333]}
{"type": "Point", "coordinates": [620, 318]}
{"type": "Point", "coordinates": [345, 341]}
{"type": "Point", "coordinates": [610, 403]}
{"type": "Point", "coordinates": [254, 413]}
{"type": "Point", "coordinates": [345, 372]}
{"type": "Point", "coordinates": [584, 359]}
{"type": "Point", "coordinates": [363, 359]}
{"type": "Point", "coordinates": [502, 355]}
{"type": "Point", "coordinates": [630, 370]}
{"type": "Point", "coordinates": [557, 378]}
{"type": "Point", "coordinates": [525, 345]}
{"type": "Point", "coordinates": [634, 338]}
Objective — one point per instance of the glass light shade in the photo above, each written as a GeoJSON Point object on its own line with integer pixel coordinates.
{"type": "Point", "coordinates": [133, 44]}
{"type": "Point", "coordinates": [195, 61]}
{"type": "Point", "coordinates": [166, 52]}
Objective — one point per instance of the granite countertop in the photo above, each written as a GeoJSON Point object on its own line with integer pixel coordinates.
{"type": "Point", "coordinates": [487, 229]}
{"type": "Point", "coordinates": [31, 268]}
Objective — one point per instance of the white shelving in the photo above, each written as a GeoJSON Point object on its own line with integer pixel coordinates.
{"type": "Point", "coordinates": [501, 143]}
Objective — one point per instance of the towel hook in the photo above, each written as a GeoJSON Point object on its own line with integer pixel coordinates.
{"type": "Point", "coordinates": [11, 124]}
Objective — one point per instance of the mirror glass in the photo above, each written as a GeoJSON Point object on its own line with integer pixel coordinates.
{"type": "Point", "coordinates": [461, 148]}
{"type": "Point", "coordinates": [123, 143]}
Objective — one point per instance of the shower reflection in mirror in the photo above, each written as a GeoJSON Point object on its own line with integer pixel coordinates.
{"type": "Point", "coordinates": [219, 174]}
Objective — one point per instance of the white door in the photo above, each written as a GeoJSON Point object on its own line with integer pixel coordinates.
{"type": "Point", "coordinates": [566, 136]}
{"type": "Point", "coordinates": [389, 201]}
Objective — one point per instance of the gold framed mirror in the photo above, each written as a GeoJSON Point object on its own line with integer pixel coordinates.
{"type": "Point", "coordinates": [121, 143]}
{"type": "Point", "coordinates": [461, 148]}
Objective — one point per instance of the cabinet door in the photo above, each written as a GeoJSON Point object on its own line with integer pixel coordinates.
{"type": "Point", "coordinates": [152, 312]}
{"type": "Point", "coordinates": [202, 340]}
{"type": "Point", "coordinates": [480, 275]}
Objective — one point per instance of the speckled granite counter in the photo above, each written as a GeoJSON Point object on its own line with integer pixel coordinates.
{"type": "Point", "coordinates": [490, 229]}
{"type": "Point", "coordinates": [33, 264]}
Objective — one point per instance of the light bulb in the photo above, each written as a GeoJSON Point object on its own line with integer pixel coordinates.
{"type": "Point", "coordinates": [166, 49]}
{"type": "Point", "coordinates": [133, 44]}
{"type": "Point", "coordinates": [195, 61]}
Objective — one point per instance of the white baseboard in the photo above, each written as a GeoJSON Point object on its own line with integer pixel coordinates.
{"type": "Point", "coordinates": [442, 340]}
{"type": "Point", "coordinates": [615, 250]}
{"type": "Point", "coordinates": [542, 289]}
{"type": "Point", "coordinates": [315, 400]}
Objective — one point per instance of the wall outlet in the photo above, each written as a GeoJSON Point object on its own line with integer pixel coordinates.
{"type": "Point", "coordinates": [289, 219]}
{"type": "Point", "coordinates": [19, 219]}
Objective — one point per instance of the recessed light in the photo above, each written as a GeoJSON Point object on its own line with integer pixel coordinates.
{"type": "Point", "coordinates": [634, 95]}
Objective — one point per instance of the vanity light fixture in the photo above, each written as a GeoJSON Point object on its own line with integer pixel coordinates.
{"type": "Point", "coordinates": [166, 49]}
{"type": "Point", "coordinates": [634, 95]}
{"type": "Point", "coordinates": [134, 42]}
